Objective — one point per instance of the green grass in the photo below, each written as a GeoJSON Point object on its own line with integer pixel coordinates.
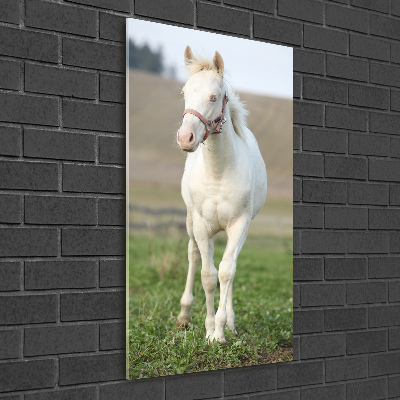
{"type": "Point", "coordinates": [262, 296]}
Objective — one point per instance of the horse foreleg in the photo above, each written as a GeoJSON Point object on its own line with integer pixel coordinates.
{"type": "Point", "coordinates": [237, 234]}
{"type": "Point", "coordinates": [184, 316]}
{"type": "Point", "coordinates": [229, 310]}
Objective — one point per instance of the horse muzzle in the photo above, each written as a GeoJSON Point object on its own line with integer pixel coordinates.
{"type": "Point", "coordinates": [186, 140]}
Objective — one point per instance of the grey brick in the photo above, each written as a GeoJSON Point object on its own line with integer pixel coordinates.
{"type": "Point", "coordinates": [85, 393]}
{"type": "Point", "coordinates": [324, 191]}
{"type": "Point", "coordinates": [92, 306]}
{"type": "Point", "coordinates": [384, 26]}
{"type": "Point", "coordinates": [308, 269]}
{"type": "Point", "coordinates": [394, 338]}
{"type": "Point", "coordinates": [10, 209]}
{"type": "Point", "coordinates": [59, 145]}
{"type": "Point", "coordinates": [96, 368]}
{"type": "Point", "coordinates": [308, 216]}
{"type": "Point", "coordinates": [100, 117]}
{"type": "Point", "coordinates": [9, 276]}
{"type": "Point", "coordinates": [384, 170]}
{"type": "Point", "coordinates": [296, 138]}
{"type": "Point", "coordinates": [367, 193]}
{"type": "Point", "coordinates": [10, 344]}
{"type": "Point", "coordinates": [337, 392]}
{"type": "Point", "coordinates": [27, 375]}
{"type": "Point", "coordinates": [394, 52]}
{"type": "Point", "coordinates": [117, 5]}
{"type": "Point", "coordinates": [308, 321]}
{"type": "Point", "coordinates": [307, 113]}
{"type": "Point", "coordinates": [144, 389]}
{"type": "Point", "coordinates": [60, 81]}
{"type": "Point", "coordinates": [112, 88]}
{"type": "Point", "coordinates": [216, 17]}
{"type": "Point", "coordinates": [369, 145]}
{"type": "Point", "coordinates": [395, 195]}
{"type": "Point", "coordinates": [384, 364]}
{"type": "Point", "coordinates": [112, 150]}
{"type": "Point", "coordinates": [346, 68]}
{"type": "Point", "coordinates": [321, 242]}
{"type": "Point", "coordinates": [395, 8]}
{"type": "Point", "coordinates": [326, 294]}
{"type": "Point", "coordinates": [9, 11]}
{"type": "Point", "coordinates": [324, 140]}
{"type": "Point", "coordinates": [367, 292]}
{"type": "Point", "coordinates": [345, 268]}
{"type": "Point", "coordinates": [319, 38]}
{"type": "Point", "coordinates": [317, 346]}
{"type": "Point", "coordinates": [112, 273]}
{"type": "Point", "coordinates": [296, 295]}
{"type": "Point", "coordinates": [367, 242]}
{"type": "Point", "coordinates": [267, 6]}
{"type": "Point", "coordinates": [21, 108]}
{"type": "Point", "coordinates": [88, 54]}
{"type": "Point", "coordinates": [369, 96]}
{"type": "Point", "coordinates": [46, 210]}
{"type": "Point", "coordinates": [60, 340]}
{"type": "Point", "coordinates": [384, 123]}
{"type": "Point", "coordinates": [112, 336]}
{"type": "Point", "coordinates": [366, 342]}
{"type": "Point", "coordinates": [60, 18]}
{"type": "Point", "coordinates": [88, 178]}
{"type": "Point", "coordinates": [346, 167]}
{"type": "Point", "coordinates": [308, 61]}
{"type": "Point", "coordinates": [384, 219]}
{"type": "Point", "coordinates": [384, 267]}
{"type": "Point", "coordinates": [242, 381]}
{"type": "Point", "coordinates": [384, 315]}
{"type": "Point", "coordinates": [297, 189]}
{"type": "Point", "coordinates": [377, 5]}
{"type": "Point", "coordinates": [325, 90]}
{"type": "Point", "coordinates": [395, 242]}
{"type": "Point", "coordinates": [91, 242]}
{"type": "Point", "coordinates": [112, 212]}
{"type": "Point", "coordinates": [346, 218]}
{"type": "Point", "coordinates": [10, 74]}
{"type": "Point", "coordinates": [10, 141]}
{"type": "Point", "coordinates": [308, 164]}
{"type": "Point", "coordinates": [26, 242]}
{"type": "Point", "coordinates": [26, 309]}
{"type": "Point", "coordinates": [296, 242]}
{"type": "Point", "coordinates": [395, 147]}
{"type": "Point", "coordinates": [170, 10]}
{"type": "Point", "coordinates": [277, 30]}
{"type": "Point", "coordinates": [26, 44]}
{"type": "Point", "coordinates": [339, 319]}
{"type": "Point", "coordinates": [346, 18]}
{"type": "Point", "coordinates": [371, 389]}
{"type": "Point", "coordinates": [395, 100]}
{"type": "Point", "coordinates": [393, 386]}
{"type": "Point", "coordinates": [347, 118]}
{"type": "Point", "coordinates": [296, 86]}
{"type": "Point", "coordinates": [308, 10]}
{"type": "Point", "coordinates": [346, 368]}
{"type": "Point", "coordinates": [60, 274]}
{"type": "Point", "coordinates": [394, 291]}
{"type": "Point", "coordinates": [373, 48]}
{"type": "Point", "coordinates": [384, 74]}
{"type": "Point", "coordinates": [280, 395]}
{"type": "Point", "coordinates": [299, 374]}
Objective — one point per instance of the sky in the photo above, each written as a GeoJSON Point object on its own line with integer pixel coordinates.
{"type": "Point", "coordinates": [250, 66]}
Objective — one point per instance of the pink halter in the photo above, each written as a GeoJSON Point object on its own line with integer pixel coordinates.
{"type": "Point", "coordinates": [216, 121]}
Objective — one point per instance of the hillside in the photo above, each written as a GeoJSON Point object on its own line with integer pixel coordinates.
{"type": "Point", "coordinates": [156, 108]}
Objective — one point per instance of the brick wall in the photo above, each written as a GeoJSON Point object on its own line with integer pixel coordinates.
{"type": "Point", "coordinates": [62, 178]}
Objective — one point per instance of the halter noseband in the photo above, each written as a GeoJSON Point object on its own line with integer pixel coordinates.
{"type": "Point", "coordinates": [207, 122]}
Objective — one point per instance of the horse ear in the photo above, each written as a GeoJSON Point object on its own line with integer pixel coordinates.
{"type": "Point", "coordinates": [218, 63]}
{"type": "Point", "coordinates": [188, 55]}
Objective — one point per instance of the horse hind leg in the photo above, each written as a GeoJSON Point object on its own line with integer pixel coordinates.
{"type": "Point", "coordinates": [186, 302]}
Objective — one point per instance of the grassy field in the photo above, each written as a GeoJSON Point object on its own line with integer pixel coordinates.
{"type": "Point", "coordinates": [263, 301]}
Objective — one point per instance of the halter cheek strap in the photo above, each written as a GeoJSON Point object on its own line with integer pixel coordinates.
{"type": "Point", "coordinates": [218, 121]}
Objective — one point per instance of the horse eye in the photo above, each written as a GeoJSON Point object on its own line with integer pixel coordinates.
{"type": "Point", "coordinates": [213, 98]}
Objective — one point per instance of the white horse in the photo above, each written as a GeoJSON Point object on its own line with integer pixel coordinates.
{"type": "Point", "coordinates": [224, 185]}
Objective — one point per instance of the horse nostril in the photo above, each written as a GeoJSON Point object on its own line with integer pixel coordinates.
{"type": "Point", "coordinates": [191, 138]}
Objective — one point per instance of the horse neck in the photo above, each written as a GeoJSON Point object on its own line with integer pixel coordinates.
{"type": "Point", "coordinates": [219, 150]}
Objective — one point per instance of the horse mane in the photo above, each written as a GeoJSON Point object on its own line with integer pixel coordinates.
{"type": "Point", "coordinates": [237, 109]}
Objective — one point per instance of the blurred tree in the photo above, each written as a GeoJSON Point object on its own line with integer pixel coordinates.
{"type": "Point", "coordinates": [142, 57]}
